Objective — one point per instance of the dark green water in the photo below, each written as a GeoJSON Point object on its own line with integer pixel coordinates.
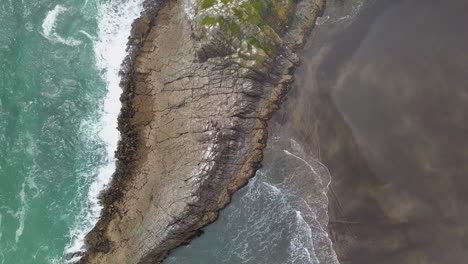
{"type": "Point", "coordinates": [58, 107]}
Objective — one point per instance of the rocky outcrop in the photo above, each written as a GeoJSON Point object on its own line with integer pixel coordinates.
{"type": "Point", "coordinates": [201, 82]}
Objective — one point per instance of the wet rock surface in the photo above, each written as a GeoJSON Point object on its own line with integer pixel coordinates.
{"type": "Point", "coordinates": [193, 130]}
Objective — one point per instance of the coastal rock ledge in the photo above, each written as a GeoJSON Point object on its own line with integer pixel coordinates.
{"type": "Point", "coordinates": [201, 81]}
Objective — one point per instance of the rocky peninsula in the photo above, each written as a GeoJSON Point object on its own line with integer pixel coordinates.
{"type": "Point", "coordinates": [201, 81]}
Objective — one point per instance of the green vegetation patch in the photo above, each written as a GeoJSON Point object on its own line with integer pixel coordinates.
{"type": "Point", "coordinates": [210, 21]}
{"type": "Point", "coordinates": [249, 28]}
{"type": "Point", "coordinates": [207, 3]}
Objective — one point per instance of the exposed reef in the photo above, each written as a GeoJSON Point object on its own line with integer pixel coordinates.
{"type": "Point", "coordinates": [200, 83]}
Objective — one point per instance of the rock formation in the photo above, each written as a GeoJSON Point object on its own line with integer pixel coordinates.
{"type": "Point", "coordinates": [202, 79]}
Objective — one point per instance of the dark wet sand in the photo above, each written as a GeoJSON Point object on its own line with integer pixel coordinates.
{"type": "Point", "coordinates": [383, 103]}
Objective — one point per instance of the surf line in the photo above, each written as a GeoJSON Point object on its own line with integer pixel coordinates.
{"type": "Point", "coordinates": [303, 160]}
{"type": "Point", "coordinates": [115, 20]}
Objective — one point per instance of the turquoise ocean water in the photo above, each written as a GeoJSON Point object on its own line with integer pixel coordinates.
{"type": "Point", "coordinates": [58, 109]}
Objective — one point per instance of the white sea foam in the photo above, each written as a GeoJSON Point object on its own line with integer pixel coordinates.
{"type": "Point", "coordinates": [49, 26]}
{"type": "Point", "coordinates": [1, 227]}
{"type": "Point", "coordinates": [87, 35]}
{"type": "Point", "coordinates": [21, 214]}
{"type": "Point", "coordinates": [303, 160]}
{"type": "Point", "coordinates": [302, 246]}
{"type": "Point", "coordinates": [114, 25]}
{"type": "Point", "coordinates": [306, 187]}
{"type": "Point", "coordinates": [275, 190]}
{"type": "Point", "coordinates": [337, 12]}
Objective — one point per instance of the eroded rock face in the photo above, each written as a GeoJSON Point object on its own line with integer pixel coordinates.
{"type": "Point", "coordinates": [196, 99]}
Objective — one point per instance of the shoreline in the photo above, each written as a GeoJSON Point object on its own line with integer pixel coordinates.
{"type": "Point", "coordinates": [126, 149]}
{"type": "Point", "coordinates": [112, 30]}
{"type": "Point", "coordinates": [133, 150]}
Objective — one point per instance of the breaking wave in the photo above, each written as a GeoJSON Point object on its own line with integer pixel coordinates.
{"type": "Point", "coordinates": [114, 24]}
{"type": "Point", "coordinates": [49, 26]}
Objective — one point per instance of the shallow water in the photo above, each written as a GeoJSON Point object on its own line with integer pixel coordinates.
{"type": "Point", "coordinates": [58, 108]}
{"type": "Point", "coordinates": [382, 103]}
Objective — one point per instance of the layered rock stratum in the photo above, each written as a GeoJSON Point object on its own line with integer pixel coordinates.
{"type": "Point", "coordinates": [202, 79]}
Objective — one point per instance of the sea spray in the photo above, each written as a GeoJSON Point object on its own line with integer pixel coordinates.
{"type": "Point", "coordinates": [114, 25]}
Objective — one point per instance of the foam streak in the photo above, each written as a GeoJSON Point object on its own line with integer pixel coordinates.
{"type": "Point", "coordinates": [114, 24]}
